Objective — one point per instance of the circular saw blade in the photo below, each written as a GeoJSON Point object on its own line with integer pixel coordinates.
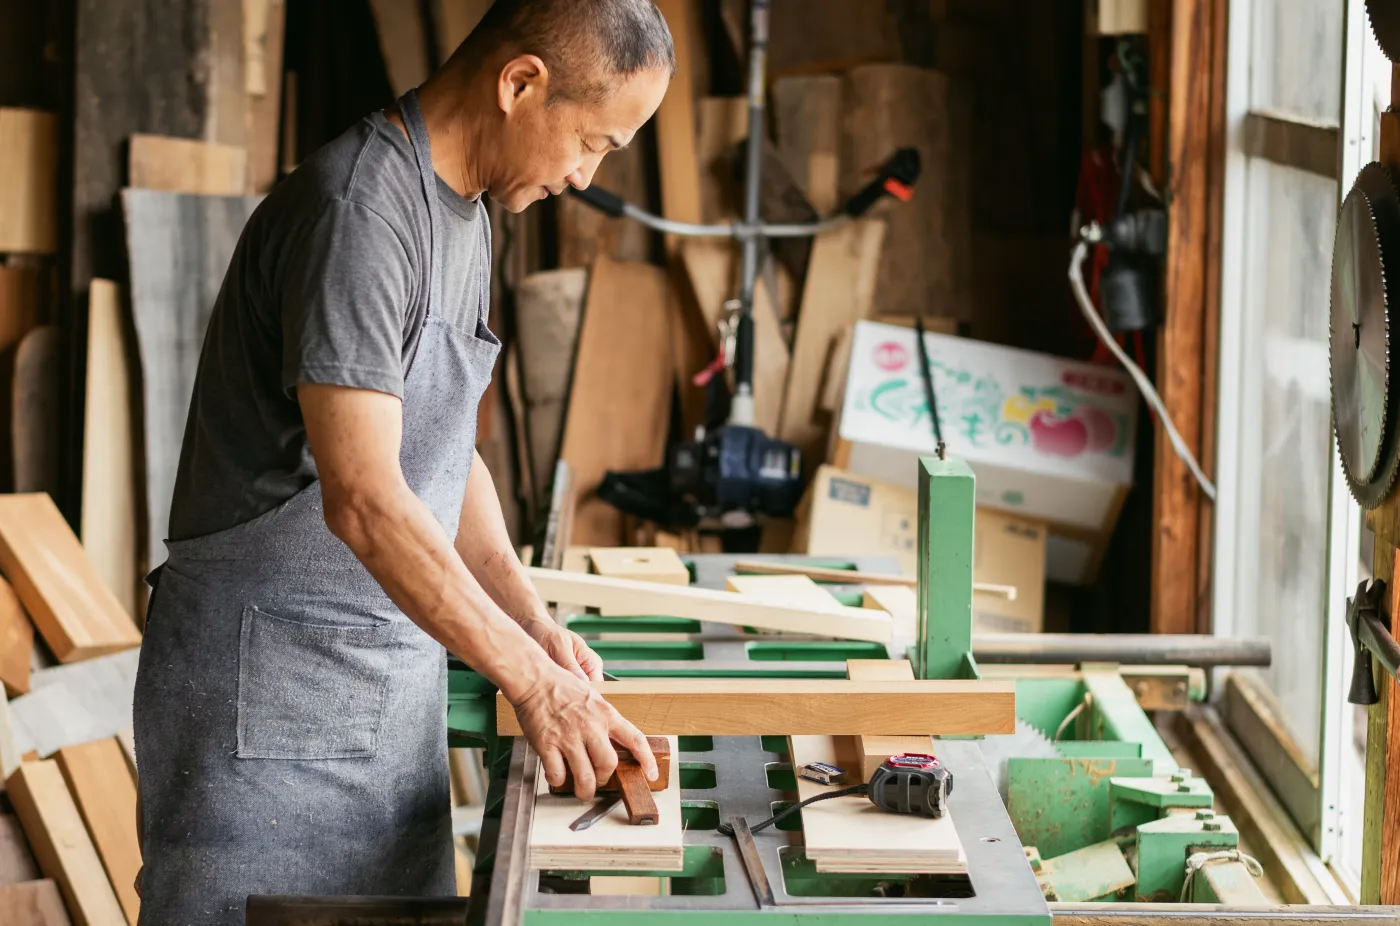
{"type": "Point", "coordinates": [1027, 742]}
{"type": "Point", "coordinates": [1359, 345]}
{"type": "Point", "coordinates": [1384, 16]}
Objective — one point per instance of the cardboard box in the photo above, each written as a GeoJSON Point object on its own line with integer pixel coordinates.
{"type": "Point", "coordinates": [1049, 439]}
{"type": "Point", "coordinates": [844, 515]}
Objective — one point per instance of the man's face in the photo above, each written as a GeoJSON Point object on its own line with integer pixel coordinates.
{"type": "Point", "coordinates": [546, 148]}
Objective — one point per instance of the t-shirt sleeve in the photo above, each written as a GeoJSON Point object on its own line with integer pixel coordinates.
{"type": "Point", "coordinates": [346, 289]}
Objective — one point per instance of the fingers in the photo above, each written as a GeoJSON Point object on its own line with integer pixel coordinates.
{"type": "Point", "coordinates": [562, 651]}
{"type": "Point", "coordinates": [585, 782]}
{"type": "Point", "coordinates": [589, 661]}
{"type": "Point", "coordinates": [604, 756]}
{"type": "Point", "coordinates": [625, 734]}
{"type": "Point", "coordinates": [553, 764]}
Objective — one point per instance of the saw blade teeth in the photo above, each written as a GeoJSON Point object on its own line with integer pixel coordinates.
{"type": "Point", "coordinates": [1384, 19]}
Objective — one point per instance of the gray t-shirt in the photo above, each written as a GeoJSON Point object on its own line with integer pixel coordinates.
{"type": "Point", "coordinates": [328, 284]}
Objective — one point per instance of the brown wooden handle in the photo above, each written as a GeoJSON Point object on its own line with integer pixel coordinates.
{"type": "Point", "coordinates": [636, 795]}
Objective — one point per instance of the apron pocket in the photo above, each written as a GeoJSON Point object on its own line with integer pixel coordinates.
{"type": "Point", "coordinates": [310, 691]}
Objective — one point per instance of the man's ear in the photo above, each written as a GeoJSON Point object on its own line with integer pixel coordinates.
{"type": "Point", "coordinates": [521, 76]}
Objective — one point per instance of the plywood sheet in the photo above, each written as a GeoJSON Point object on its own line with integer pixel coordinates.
{"type": "Point", "coordinates": [179, 247]}
{"type": "Point", "coordinates": [16, 642]}
{"type": "Point", "coordinates": [37, 406]}
{"type": "Point", "coordinates": [108, 528]}
{"type": "Point", "coordinates": [28, 181]}
{"type": "Point", "coordinates": [824, 707]}
{"type": "Point", "coordinates": [71, 607]}
{"type": "Point", "coordinates": [611, 843]}
{"type": "Point", "coordinates": [621, 395]}
{"type": "Point", "coordinates": [850, 834]}
{"type": "Point", "coordinates": [101, 786]}
{"type": "Point", "coordinates": [61, 843]}
{"type": "Point", "coordinates": [183, 165]}
{"type": "Point", "coordinates": [34, 903]}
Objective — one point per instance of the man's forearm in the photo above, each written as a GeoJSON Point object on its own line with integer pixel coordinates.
{"type": "Point", "coordinates": [403, 546]}
{"type": "Point", "coordinates": [483, 543]}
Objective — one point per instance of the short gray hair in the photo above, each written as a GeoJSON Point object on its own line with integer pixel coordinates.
{"type": "Point", "coordinates": [586, 44]}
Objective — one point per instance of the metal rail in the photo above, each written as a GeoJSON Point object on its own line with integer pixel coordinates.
{"type": "Point", "coordinates": [1127, 649]}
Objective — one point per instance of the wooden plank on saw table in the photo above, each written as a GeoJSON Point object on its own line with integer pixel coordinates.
{"type": "Point", "coordinates": [61, 843]}
{"type": "Point", "coordinates": [184, 165]}
{"type": "Point", "coordinates": [28, 181]}
{"type": "Point", "coordinates": [793, 591]}
{"type": "Point", "coordinates": [109, 455]}
{"type": "Point", "coordinates": [824, 707]}
{"type": "Point", "coordinates": [621, 393]}
{"type": "Point", "coordinates": [821, 573]}
{"type": "Point", "coordinates": [72, 608]}
{"type": "Point", "coordinates": [33, 903]}
{"type": "Point", "coordinates": [179, 247]}
{"type": "Point", "coordinates": [37, 407]}
{"type": "Point", "coordinates": [840, 291]}
{"type": "Point", "coordinates": [628, 596]}
{"type": "Point", "coordinates": [850, 834]}
{"type": "Point", "coordinates": [611, 843]}
{"type": "Point", "coordinates": [872, 750]}
{"type": "Point", "coordinates": [16, 642]}
{"type": "Point", "coordinates": [102, 788]}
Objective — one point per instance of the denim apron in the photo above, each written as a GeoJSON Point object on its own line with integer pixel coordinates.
{"type": "Point", "coordinates": [290, 720]}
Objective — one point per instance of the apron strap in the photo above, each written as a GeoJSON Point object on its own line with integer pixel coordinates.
{"type": "Point", "coordinates": [422, 153]}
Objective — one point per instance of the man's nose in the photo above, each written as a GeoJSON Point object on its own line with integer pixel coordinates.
{"type": "Point", "coordinates": [583, 175]}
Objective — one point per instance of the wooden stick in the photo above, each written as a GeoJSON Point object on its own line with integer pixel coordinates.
{"type": "Point", "coordinates": [854, 576]}
{"type": "Point", "coordinates": [620, 596]}
{"type": "Point", "coordinates": [834, 707]}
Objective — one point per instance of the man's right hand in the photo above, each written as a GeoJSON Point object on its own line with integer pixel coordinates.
{"type": "Point", "coordinates": [571, 726]}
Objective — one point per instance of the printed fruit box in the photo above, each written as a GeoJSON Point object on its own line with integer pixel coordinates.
{"type": "Point", "coordinates": [1048, 438]}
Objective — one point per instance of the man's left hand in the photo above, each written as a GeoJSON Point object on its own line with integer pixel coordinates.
{"type": "Point", "coordinates": [566, 648]}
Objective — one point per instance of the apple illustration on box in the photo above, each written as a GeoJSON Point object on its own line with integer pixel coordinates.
{"type": "Point", "coordinates": [1056, 436]}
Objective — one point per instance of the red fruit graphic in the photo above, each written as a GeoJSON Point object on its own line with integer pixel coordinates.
{"type": "Point", "coordinates": [1065, 437]}
{"type": "Point", "coordinates": [1103, 430]}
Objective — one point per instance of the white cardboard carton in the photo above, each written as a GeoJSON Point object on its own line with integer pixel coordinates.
{"type": "Point", "coordinates": [1049, 439]}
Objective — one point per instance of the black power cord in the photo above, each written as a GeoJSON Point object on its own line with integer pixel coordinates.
{"type": "Point", "coordinates": [728, 830]}
{"type": "Point", "coordinates": [926, 369]}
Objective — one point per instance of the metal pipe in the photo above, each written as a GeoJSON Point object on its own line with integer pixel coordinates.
{"type": "Point", "coordinates": [1128, 649]}
{"type": "Point", "coordinates": [741, 409]}
{"type": "Point", "coordinates": [1141, 914]}
{"type": "Point", "coordinates": [743, 231]}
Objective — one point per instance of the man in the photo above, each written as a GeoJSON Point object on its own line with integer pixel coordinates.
{"type": "Point", "coordinates": [330, 534]}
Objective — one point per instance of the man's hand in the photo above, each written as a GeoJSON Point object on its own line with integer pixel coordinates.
{"type": "Point", "coordinates": [566, 648]}
{"type": "Point", "coordinates": [570, 725]}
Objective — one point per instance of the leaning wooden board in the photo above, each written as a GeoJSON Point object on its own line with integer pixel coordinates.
{"type": "Point", "coordinates": [32, 903]}
{"type": "Point", "coordinates": [611, 843]}
{"type": "Point", "coordinates": [105, 793]}
{"type": "Point", "coordinates": [179, 247]}
{"type": "Point", "coordinates": [16, 643]}
{"type": "Point", "coordinates": [798, 707]}
{"type": "Point", "coordinates": [36, 410]}
{"type": "Point", "coordinates": [183, 165]}
{"type": "Point", "coordinates": [61, 843]}
{"type": "Point", "coordinates": [629, 596]}
{"type": "Point", "coordinates": [74, 611]}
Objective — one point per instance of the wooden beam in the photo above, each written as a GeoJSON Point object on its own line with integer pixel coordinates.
{"type": "Point", "coordinates": [105, 793]}
{"type": "Point", "coordinates": [1176, 496]}
{"type": "Point", "coordinates": [839, 291]}
{"type": "Point", "coordinates": [617, 412]}
{"type": "Point", "coordinates": [38, 410]}
{"type": "Point", "coordinates": [61, 843]}
{"type": "Point", "coordinates": [109, 519]}
{"type": "Point", "coordinates": [676, 149]}
{"type": "Point", "coordinates": [625, 596]}
{"type": "Point", "coordinates": [183, 165]}
{"type": "Point", "coordinates": [72, 608]}
{"type": "Point", "coordinates": [16, 643]}
{"type": "Point", "coordinates": [798, 707]}
{"type": "Point", "coordinates": [1293, 142]}
{"type": "Point", "coordinates": [873, 749]}
{"type": "Point", "coordinates": [28, 181]}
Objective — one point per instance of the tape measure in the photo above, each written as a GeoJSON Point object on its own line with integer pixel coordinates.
{"type": "Point", "coordinates": [911, 782]}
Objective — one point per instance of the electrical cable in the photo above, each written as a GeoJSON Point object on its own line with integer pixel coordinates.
{"type": "Point", "coordinates": [926, 369]}
{"type": "Point", "coordinates": [1081, 295]}
{"type": "Point", "coordinates": [728, 830]}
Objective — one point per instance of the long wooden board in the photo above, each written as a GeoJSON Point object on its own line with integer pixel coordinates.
{"type": "Point", "coordinates": [74, 611]}
{"type": "Point", "coordinates": [16, 642]}
{"type": "Point", "coordinates": [850, 834]}
{"type": "Point", "coordinates": [676, 150]}
{"type": "Point", "coordinates": [840, 290]}
{"type": "Point", "coordinates": [618, 409]}
{"type": "Point", "coordinates": [33, 903]}
{"type": "Point", "coordinates": [61, 843]}
{"type": "Point", "coordinates": [873, 749]}
{"type": "Point", "coordinates": [109, 454]}
{"type": "Point", "coordinates": [798, 707]}
{"type": "Point", "coordinates": [184, 165]}
{"type": "Point", "coordinates": [102, 787]}
{"type": "Point", "coordinates": [37, 407]}
{"type": "Point", "coordinates": [264, 36]}
{"type": "Point", "coordinates": [179, 248]}
{"type": "Point", "coordinates": [611, 843]}
{"type": "Point", "coordinates": [28, 181]}
{"type": "Point", "coordinates": [628, 596]}
{"type": "Point", "coordinates": [807, 114]}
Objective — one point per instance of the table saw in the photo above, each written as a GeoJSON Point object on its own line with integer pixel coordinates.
{"type": "Point", "coordinates": [1084, 804]}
